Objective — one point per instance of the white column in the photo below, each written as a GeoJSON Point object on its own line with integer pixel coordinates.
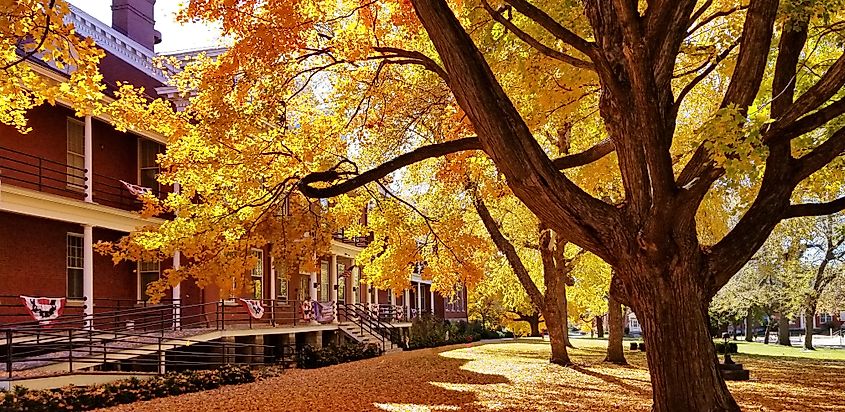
{"type": "Point", "coordinates": [375, 297]}
{"type": "Point", "coordinates": [369, 295]}
{"type": "Point", "coordinates": [88, 274]}
{"type": "Point", "coordinates": [406, 301]}
{"type": "Point", "coordinates": [313, 285]}
{"type": "Point", "coordinates": [272, 278]}
{"type": "Point", "coordinates": [431, 290]}
{"type": "Point", "coordinates": [333, 284]}
{"type": "Point", "coordinates": [419, 298]}
{"type": "Point", "coordinates": [88, 161]}
{"type": "Point", "coordinates": [177, 293]}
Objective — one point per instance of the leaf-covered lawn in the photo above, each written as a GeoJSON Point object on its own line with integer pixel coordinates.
{"type": "Point", "coordinates": [506, 376]}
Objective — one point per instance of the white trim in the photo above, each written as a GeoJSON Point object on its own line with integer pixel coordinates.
{"type": "Point", "coordinates": [252, 277]}
{"type": "Point", "coordinates": [344, 249]}
{"type": "Point", "coordinates": [88, 275]}
{"type": "Point", "coordinates": [115, 43]}
{"type": "Point", "coordinates": [39, 204]}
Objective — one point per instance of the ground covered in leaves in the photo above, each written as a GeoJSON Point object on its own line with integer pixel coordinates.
{"type": "Point", "coordinates": [504, 376]}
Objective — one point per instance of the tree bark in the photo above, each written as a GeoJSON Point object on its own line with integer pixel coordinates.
{"type": "Point", "coordinates": [554, 299]}
{"type": "Point", "coordinates": [783, 330]}
{"type": "Point", "coordinates": [615, 353]}
{"type": "Point", "coordinates": [681, 355]}
{"type": "Point", "coordinates": [749, 327]}
{"type": "Point", "coordinates": [809, 317]}
{"type": "Point", "coordinates": [534, 324]}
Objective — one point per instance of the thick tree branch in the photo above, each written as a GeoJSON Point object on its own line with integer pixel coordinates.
{"type": "Point", "coordinates": [753, 54]}
{"type": "Point", "coordinates": [536, 44]}
{"type": "Point", "coordinates": [601, 149]}
{"type": "Point", "coordinates": [829, 84]}
{"type": "Point", "coordinates": [815, 209]}
{"type": "Point", "coordinates": [415, 56]}
{"type": "Point", "coordinates": [552, 26]}
{"type": "Point", "coordinates": [507, 249]}
{"type": "Point", "coordinates": [823, 154]}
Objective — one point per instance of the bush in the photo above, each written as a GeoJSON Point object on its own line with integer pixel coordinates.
{"type": "Point", "coordinates": [126, 391]}
{"type": "Point", "coordinates": [429, 332]}
{"type": "Point", "coordinates": [312, 357]}
{"type": "Point", "coordinates": [720, 347]}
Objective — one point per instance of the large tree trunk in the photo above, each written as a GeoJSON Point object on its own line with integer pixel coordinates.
{"type": "Point", "coordinates": [681, 355]}
{"type": "Point", "coordinates": [615, 324]}
{"type": "Point", "coordinates": [783, 330]}
{"type": "Point", "coordinates": [809, 317]}
{"type": "Point", "coordinates": [554, 299]}
{"type": "Point", "coordinates": [534, 323]}
{"type": "Point", "coordinates": [749, 327]}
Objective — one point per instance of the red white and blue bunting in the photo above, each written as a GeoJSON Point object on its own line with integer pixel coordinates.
{"type": "Point", "coordinates": [44, 310]}
{"type": "Point", "coordinates": [254, 307]}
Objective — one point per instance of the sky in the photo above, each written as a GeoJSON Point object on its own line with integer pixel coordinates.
{"type": "Point", "coordinates": [174, 36]}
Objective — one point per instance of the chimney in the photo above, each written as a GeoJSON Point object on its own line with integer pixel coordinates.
{"type": "Point", "coordinates": [134, 18]}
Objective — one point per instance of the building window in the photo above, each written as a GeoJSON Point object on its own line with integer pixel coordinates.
{"type": "Point", "coordinates": [323, 287]}
{"type": "Point", "coordinates": [75, 264]}
{"type": "Point", "coordinates": [634, 323]}
{"type": "Point", "coordinates": [825, 318]}
{"type": "Point", "coordinates": [75, 154]}
{"type": "Point", "coordinates": [257, 274]}
{"type": "Point", "coordinates": [148, 151]}
{"type": "Point", "coordinates": [282, 289]}
{"type": "Point", "coordinates": [148, 272]}
{"type": "Point", "coordinates": [304, 287]}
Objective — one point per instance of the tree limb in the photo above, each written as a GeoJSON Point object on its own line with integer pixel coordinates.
{"type": "Point", "coordinates": [507, 249]}
{"type": "Point", "coordinates": [552, 26]}
{"type": "Point", "coordinates": [815, 209]}
{"type": "Point", "coordinates": [536, 44]}
{"type": "Point", "coordinates": [601, 149]}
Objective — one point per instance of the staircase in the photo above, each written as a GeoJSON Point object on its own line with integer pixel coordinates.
{"type": "Point", "coordinates": [363, 327]}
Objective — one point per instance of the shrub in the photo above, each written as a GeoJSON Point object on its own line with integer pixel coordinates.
{"type": "Point", "coordinates": [428, 332]}
{"type": "Point", "coordinates": [732, 348]}
{"type": "Point", "coordinates": [126, 391]}
{"type": "Point", "coordinates": [312, 357]}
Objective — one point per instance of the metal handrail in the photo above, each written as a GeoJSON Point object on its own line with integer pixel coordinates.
{"type": "Point", "coordinates": [76, 346]}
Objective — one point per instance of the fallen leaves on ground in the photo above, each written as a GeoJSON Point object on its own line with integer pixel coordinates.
{"type": "Point", "coordinates": [503, 376]}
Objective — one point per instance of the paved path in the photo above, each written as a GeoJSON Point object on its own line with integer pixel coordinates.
{"type": "Point", "coordinates": [503, 376]}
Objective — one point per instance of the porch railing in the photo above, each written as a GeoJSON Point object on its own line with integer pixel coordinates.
{"type": "Point", "coordinates": [44, 175]}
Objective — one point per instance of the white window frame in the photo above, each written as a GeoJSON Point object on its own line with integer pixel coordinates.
{"type": "Point", "coordinates": [141, 168]}
{"type": "Point", "coordinates": [142, 288]}
{"type": "Point", "coordinates": [283, 285]}
{"type": "Point", "coordinates": [633, 323]}
{"type": "Point", "coordinates": [75, 174]}
{"type": "Point", "coordinates": [257, 273]}
{"type": "Point", "coordinates": [825, 318]}
{"type": "Point", "coordinates": [69, 266]}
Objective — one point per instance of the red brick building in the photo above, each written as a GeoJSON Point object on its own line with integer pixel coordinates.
{"type": "Point", "coordinates": [62, 190]}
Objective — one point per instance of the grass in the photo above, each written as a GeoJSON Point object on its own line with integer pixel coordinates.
{"type": "Point", "coordinates": [745, 348]}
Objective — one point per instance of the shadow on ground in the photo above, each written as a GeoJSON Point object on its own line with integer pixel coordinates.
{"type": "Point", "coordinates": [512, 375]}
